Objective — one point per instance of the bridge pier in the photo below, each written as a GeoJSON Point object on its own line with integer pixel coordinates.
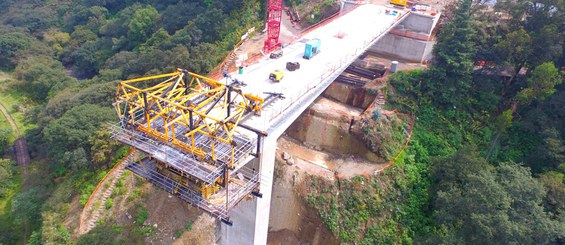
{"type": "Point", "coordinates": [251, 218]}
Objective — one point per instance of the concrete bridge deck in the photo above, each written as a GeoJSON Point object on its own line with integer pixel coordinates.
{"type": "Point", "coordinates": [362, 27]}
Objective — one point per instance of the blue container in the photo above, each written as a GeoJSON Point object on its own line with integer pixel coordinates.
{"type": "Point", "coordinates": [312, 48]}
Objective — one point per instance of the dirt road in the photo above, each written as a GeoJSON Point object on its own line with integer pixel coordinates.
{"type": "Point", "coordinates": [20, 144]}
{"type": "Point", "coordinates": [10, 120]}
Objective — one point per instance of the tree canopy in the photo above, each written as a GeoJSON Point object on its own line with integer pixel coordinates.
{"type": "Point", "coordinates": [477, 203]}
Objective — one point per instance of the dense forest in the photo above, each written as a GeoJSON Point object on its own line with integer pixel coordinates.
{"type": "Point", "coordinates": [486, 163]}
{"type": "Point", "coordinates": [65, 58]}
{"type": "Point", "coordinates": [489, 143]}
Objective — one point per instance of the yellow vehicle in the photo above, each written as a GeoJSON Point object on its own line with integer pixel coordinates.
{"type": "Point", "coordinates": [276, 76]}
{"type": "Point", "coordinates": [399, 2]}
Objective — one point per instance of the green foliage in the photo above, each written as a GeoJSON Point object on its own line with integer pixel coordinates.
{"type": "Point", "coordinates": [35, 238]}
{"type": "Point", "coordinates": [42, 76]}
{"type": "Point", "coordinates": [86, 181]}
{"type": "Point", "coordinates": [10, 45]}
{"type": "Point", "coordinates": [554, 183]}
{"type": "Point", "coordinates": [452, 63]}
{"type": "Point", "coordinates": [394, 203]}
{"type": "Point", "coordinates": [188, 226]}
{"type": "Point", "coordinates": [99, 235]}
{"type": "Point", "coordinates": [98, 94]}
{"type": "Point", "coordinates": [478, 203]}
{"type": "Point", "coordinates": [109, 203]}
{"type": "Point", "coordinates": [141, 24]}
{"type": "Point", "coordinates": [142, 216]}
{"type": "Point", "coordinates": [6, 176]}
{"type": "Point", "coordinates": [5, 137]}
{"type": "Point", "coordinates": [386, 136]}
{"type": "Point", "coordinates": [504, 120]}
{"type": "Point", "coordinates": [134, 195]}
{"type": "Point", "coordinates": [26, 206]}
{"type": "Point", "coordinates": [541, 83]}
{"type": "Point", "coordinates": [66, 135]}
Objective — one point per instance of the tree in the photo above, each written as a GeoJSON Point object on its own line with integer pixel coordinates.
{"type": "Point", "coordinates": [554, 183]}
{"type": "Point", "coordinates": [101, 94]}
{"type": "Point", "coordinates": [100, 235]}
{"type": "Point", "coordinates": [86, 60]}
{"type": "Point", "coordinates": [141, 25]}
{"type": "Point", "coordinates": [102, 146]}
{"type": "Point", "coordinates": [6, 175]}
{"type": "Point", "coordinates": [57, 40]}
{"type": "Point", "coordinates": [450, 74]}
{"type": "Point", "coordinates": [26, 206]}
{"type": "Point", "coordinates": [160, 39]}
{"type": "Point", "coordinates": [33, 17]}
{"type": "Point", "coordinates": [66, 135]}
{"type": "Point", "coordinates": [10, 45]}
{"type": "Point", "coordinates": [40, 74]}
{"type": "Point", "coordinates": [515, 49]}
{"type": "Point", "coordinates": [477, 203]}
{"type": "Point", "coordinates": [541, 83]}
{"type": "Point", "coordinates": [5, 136]}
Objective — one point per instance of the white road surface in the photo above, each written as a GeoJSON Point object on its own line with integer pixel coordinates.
{"type": "Point", "coordinates": [361, 26]}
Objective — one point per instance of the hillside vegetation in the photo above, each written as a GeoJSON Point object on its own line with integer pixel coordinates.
{"type": "Point", "coordinates": [486, 162]}
{"type": "Point", "coordinates": [64, 58]}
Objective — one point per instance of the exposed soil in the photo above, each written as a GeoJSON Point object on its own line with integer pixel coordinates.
{"type": "Point", "coordinates": [167, 214]}
{"type": "Point", "coordinates": [202, 232]}
{"type": "Point", "coordinates": [324, 164]}
{"type": "Point", "coordinates": [291, 220]}
{"type": "Point", "coordinates": [72, 218]}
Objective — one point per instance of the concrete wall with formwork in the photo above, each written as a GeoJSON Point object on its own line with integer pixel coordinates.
{"type": "Point", "coordinates": [422, 23]}
{"type": "Point", "coordinates": [405, 48]}
{"type": "Point", "coordinates": [410, 40]}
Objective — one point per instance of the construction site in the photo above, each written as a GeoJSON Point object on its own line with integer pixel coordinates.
{"type": "Point", "coordinates": [303, 100]}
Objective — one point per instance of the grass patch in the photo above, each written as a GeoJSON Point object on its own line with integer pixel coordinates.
{"type": "Point", "coordinates": [142, 216]}
{"type": "Point", "coordinates": [109, 203]}
{"type": "Point", "coordinates": [178, 233]}
{"type": "Point", "coordinates": [15, 102]}
{"type": "Point", "coordinates": [5, 203]}
{"type": "Point", "coordinates": [188, 226]}
{"type": "Point", "coordinates": [134, 195]}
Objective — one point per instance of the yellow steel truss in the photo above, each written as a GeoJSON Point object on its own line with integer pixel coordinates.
{"type": "Point", "coordinates": [183, 99]}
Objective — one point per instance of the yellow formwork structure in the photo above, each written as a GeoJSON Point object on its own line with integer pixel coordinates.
{"type": "Point", "coordinates": [183, 99]}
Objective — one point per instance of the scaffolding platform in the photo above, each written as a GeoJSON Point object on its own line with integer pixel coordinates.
{"type": "Point", "coordinates": [218, 205]}
{"type": "Point", "coordinates": [182, 160]}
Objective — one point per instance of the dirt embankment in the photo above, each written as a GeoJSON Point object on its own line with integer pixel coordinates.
{"type": "Point", "coordinates": [292, 221]}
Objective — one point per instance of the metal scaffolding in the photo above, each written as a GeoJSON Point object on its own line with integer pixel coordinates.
{"type": "Point", "coordinates": [189, 126]}
{"type": "Point", "coordinates": [218, 205]}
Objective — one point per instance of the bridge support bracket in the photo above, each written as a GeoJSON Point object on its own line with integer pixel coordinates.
{"type": "Point", "coordinates": [227, 222]}
{"type": "Point", "coordinates": [257, 194]}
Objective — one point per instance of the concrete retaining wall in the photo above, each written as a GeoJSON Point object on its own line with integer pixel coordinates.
{"type": "Point", "coordinates": [419, 23]}
{"type": "Point", "coordinates": [403, 47]}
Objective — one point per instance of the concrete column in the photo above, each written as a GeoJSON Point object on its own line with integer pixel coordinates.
{"type": "Point", "coordinates": [263, 209]}
{"type": "Point", "coordinates": [251, 218]}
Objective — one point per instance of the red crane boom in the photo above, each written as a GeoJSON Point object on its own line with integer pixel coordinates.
{"type": "Point", "coordinates": [274, 14]}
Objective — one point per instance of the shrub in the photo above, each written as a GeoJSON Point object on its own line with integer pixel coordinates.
{"type": "Point", "coordinates": [109, 203]}
{"type": "Point", "coordinates": [142, 216]}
